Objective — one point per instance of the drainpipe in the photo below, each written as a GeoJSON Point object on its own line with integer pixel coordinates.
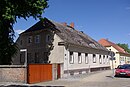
{"type": "Point", "coordinates": [112, 68]}
{"type": "Point", "coordinates": [112, 54]}
{"type": "Point", "coordinates": [67, 58]}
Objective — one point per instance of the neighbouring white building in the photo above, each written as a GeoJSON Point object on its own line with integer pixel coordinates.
{"type": "Point", "coordinates": [121, 56]}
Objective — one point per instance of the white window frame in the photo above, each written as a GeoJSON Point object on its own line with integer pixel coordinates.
{"type": "Point", "coordinates": [94, 58]}
{"type": "Point", "coordinates": [100, 59]}
{"type": "Point", "coordinates": [79, 58]}
{"type": "Point", "coordinates": [86, 58]}
{"type": "Point", "coordinates": [71, 58]}
{"type": "Point", "coordinates": [104, 59]}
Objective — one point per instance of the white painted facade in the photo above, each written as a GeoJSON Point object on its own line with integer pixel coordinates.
{"type": "Point", "coordinates": [83, 64]}
{"type": "Point", "coordinates": [57, 54]}
{"type": "Point", "coordinates": [76, 65]}
{"type": "Point", "coordinates": [61, 55]}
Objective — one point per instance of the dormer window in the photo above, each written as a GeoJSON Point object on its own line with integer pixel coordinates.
{"type": "Point", "coordinates": [92, 44]}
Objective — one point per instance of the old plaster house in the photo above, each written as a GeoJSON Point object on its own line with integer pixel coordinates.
{"type": "Point", "coordinates": [121, 56]}
{"type": "Point", "coordinates": [49, 42]}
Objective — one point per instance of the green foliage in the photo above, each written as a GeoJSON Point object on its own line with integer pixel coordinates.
{"type": "Point", "coordinates": [10, 10]}
{"type": "Point", "coordinates": [125, 47]}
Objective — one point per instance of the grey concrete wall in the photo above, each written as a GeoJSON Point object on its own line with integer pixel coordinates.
{"type": "Point", "coordinates": [13, 73]}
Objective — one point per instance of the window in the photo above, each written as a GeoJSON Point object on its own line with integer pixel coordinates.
{"type": "Point", "coordinates": [71, 60]}
{"type": "Point", "coordinates": [104, 59]}
{"type": "Point", "coordinates": [37, 39]}
{"type": "Point", "coordinates": [100, 59]}
{"type": "Point", "coordinates": [79, 58]}
{"type": "Point", "coordinates": [86, 58]}
{"type": "Point", "coordinates": [48, 38]}
{"type": "Point", "coordinates": [94, 58]}
{"type": "Point", "coordinates": [122, 58]}
{"type": "Point", "coordinates": [30, 39]}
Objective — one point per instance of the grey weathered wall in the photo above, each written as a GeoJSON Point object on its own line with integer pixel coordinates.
{"type": "Point", "coordinates": [13, 73]}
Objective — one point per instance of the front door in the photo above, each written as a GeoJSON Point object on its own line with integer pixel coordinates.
{"type": "Point", "coordinates": [58, 71]}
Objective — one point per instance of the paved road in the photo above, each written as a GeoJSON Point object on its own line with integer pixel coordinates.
{"type": "Point", "coordinates": [99, 79]}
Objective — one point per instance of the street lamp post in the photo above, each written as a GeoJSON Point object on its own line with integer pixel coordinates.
{"type": "Point", "coordinates": [112, 54]}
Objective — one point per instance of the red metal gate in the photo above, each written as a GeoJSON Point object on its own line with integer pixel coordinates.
{"type": "Point", "coordinates": [39, 73]}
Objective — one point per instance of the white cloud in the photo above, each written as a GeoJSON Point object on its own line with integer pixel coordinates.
{"type": "Point", "coordinates": [19, 31]}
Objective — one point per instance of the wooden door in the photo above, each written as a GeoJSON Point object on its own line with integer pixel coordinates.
{"type": "Point", "coordinates": [39, 73]}
{"type": "Point", "coordinates": [58, 71]}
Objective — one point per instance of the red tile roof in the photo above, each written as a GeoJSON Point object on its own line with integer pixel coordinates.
{"type": "Point", "coordinates": [107, 43]}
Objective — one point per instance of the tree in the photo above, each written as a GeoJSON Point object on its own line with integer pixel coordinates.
{"type": "Point", "coordinates": [125, 47]}
{"type": "Point", "coordinates": [10, 10]}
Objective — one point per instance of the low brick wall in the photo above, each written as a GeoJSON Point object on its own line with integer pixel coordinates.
{"type": "Point", "coordinates": [12, 73]}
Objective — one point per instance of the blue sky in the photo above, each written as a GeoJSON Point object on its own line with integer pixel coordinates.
{"type": "Point", "coordinates": [108, 19]}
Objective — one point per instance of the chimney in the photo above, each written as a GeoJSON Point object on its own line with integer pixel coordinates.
{"type": "Point", "coordinates": [65, 24]}
{"type": "Point", "coordinates": [72, 24]}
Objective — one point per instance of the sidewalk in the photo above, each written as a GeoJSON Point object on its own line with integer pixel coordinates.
{"type": "Point", "coordinates": [63, 82]}
{"type": "Point", "coordinates": [3, 84]}
{"type": "Point", "coordinates": [71, 80]}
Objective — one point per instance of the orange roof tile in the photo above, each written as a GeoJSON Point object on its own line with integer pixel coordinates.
{"type": "Point", "coordinates": [107, 43]}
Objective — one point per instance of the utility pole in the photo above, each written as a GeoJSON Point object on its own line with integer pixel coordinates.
{"type": "Point", "coordinates": [112, 54]}
{"type": "Point", "coordinates": [112, 69]}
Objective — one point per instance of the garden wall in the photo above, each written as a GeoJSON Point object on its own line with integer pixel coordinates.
{"type": "Point", "coordinates": [13, 73]}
